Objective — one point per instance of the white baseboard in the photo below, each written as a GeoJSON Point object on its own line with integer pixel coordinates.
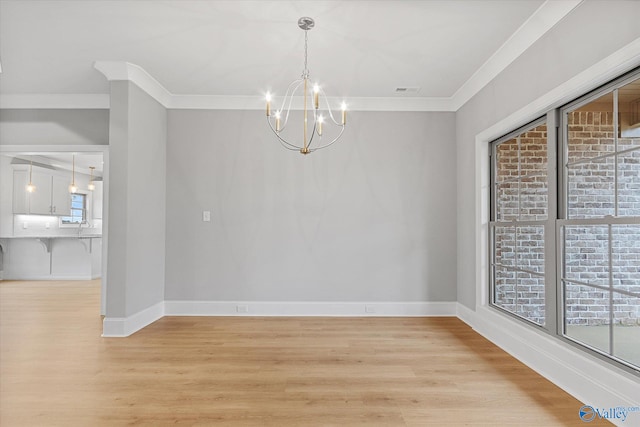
{"type": "Point", "coordinates": [465, 314]}
{"type": "Point", "coordinates": [300, 308]}
{"type": "Point", "coordinates": [125, 326]}
{"type": "Point", "coordinates": [588, 379]}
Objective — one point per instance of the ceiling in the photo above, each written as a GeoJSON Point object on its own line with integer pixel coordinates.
{"type": "Point", "coordinates": [230, 48]}
{"type": "Point", "coordinates": [63, 161]}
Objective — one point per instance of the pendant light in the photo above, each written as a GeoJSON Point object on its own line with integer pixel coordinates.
{"type": "Point", "coordinates": [91, 185]}
{"type": "Point", "coordinates": [73, 188]}
{"type": "Point", "coordinates": [30, 187]}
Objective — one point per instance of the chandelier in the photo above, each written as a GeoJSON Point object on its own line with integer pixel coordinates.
{"type": "Point", "coordinates": [314, 114]}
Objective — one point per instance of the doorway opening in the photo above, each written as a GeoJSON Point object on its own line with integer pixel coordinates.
{"type": "Point", "coordinates": [53, 214]}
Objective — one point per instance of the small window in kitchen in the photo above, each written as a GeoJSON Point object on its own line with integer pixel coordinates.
{"type": "Point", "coordinates": [78, 210]}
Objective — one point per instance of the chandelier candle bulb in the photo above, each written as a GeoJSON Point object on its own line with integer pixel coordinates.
{"type": "Point", "coordinates": [268, 104]}
{"type": "Point", "coordinates": [320, 120]}
{"type": "Point", "coordinates": [278, 121]}
{"type": "Point", "coordinates": [344, 114]}
{"type": "Point", "coordinates": [316, 96]}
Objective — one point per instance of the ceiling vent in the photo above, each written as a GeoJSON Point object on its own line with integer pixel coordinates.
{"type": "Point", "coordinates": [407, 89]}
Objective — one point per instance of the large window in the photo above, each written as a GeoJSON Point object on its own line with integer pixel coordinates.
{"type": "Point", "coordinates": [520, 211]}
{"type": "Point", "coordinates": [600, 221]}
{"type": "Point", "coordinates": [565, 222]}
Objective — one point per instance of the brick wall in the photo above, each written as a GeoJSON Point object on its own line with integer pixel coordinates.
{"type": "Point", "coordinates": [521, 194]}
{"type": "Point", "coordinates": [532, 168]}
{"type": "Point", "coordinates": [591, 194]}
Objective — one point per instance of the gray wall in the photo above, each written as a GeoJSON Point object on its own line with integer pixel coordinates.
{"type": "Point", "coordinates": [593, 31]}
{"type": "Point", "coordinates": [54, 127]}
{"type": "Point", "coordinates": [137, 197]}
{"type": "Point", "coordinates": [368, 219]}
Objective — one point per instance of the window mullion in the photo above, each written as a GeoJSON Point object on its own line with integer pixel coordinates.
{"type": "Point", "coordinates": [610, 255]}
{"type": "Point", "coordinates": [550, 250]}
{"type": "Point", "coordinates": [515, 229]}
{"type": "Point", "coordinates": [615, 150]}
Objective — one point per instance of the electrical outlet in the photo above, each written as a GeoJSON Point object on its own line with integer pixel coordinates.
{"type": "Point", "coordinates": [242, 308]}
{"type": "Point", "coordinates": [46, 225]}
{"type": "Point", "coordinates": [369, 309]}
{"type": "Point", "coordinates": [206, 216]}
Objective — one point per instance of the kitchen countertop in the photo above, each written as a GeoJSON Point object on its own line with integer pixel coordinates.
{"type": "Point", "coordinates": [86, 239]}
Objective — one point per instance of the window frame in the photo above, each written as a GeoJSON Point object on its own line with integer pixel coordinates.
{"type": "Point", "coordinates": [550, 120]}
{"type": "Point", "coordinates": [608, 221]}
{"type": "Point", "coordinates": [85, 211]}
{"type": "Point", "coordinates": [557, 209]}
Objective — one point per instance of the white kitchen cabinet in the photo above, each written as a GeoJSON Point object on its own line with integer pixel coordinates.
{"type": "Point", "coordinates": [20, 195]}
{"type": "Point", "coordinates": [60, 198]}
{"type": "Point", "coordinates": [52, 258]}
{"type": "Point", "coordinates": [40, 200]}
{"type": "Point", "coordinates": [50, 198]}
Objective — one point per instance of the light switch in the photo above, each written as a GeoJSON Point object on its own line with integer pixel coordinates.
{"type": "Point", "coordinates": [206, 216]}
{"type": "Point", "coordinates": [24, 224]}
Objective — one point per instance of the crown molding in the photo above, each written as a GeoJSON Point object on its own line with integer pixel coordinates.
{"type": "Point", "coordinates": [123, 71]}
{"type": "Point", "coordinates": [396, 104]}
{"type": "Point", "coordinates": [214, 102]}
{"type": "Point", "coordinates": [542, 20]}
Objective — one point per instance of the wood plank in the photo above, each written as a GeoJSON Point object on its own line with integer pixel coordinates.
{"type": "Point", "coordinates": [56, 370]}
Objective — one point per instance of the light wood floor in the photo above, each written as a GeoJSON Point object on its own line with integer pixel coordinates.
{"type": "Point", "coordinates": [56, 370]}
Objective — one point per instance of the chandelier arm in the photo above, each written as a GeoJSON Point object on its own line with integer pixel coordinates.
{"type": "Point", "coordinates": [284, 101]}
{"type": "Point", "coordinates": [331, 143]}
{"type": "Point", "coordinates": [284, 143]}
{"type": "Point", "coordinates": [313, 133]}
{"type": "Point", "coordinates": [326, 101]}
{"type": "Point", "coordinates": [290, 96]}
{"type": "Point", "coordinates": [287, 147]}
{"type": "Point", "coordinates": [293, 83]}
